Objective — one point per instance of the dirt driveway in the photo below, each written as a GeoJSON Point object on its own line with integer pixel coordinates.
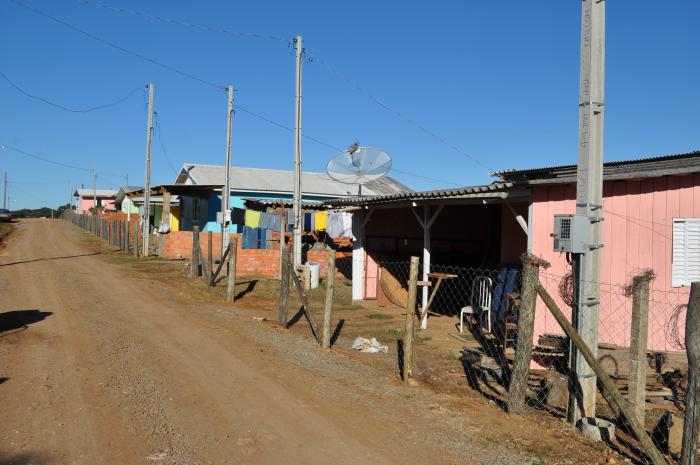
{"type": "Point", "coordinates": [99, 367]}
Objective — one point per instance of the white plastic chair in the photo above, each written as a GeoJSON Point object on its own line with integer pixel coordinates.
{"type": "Point", "coordinates": [480, 302]}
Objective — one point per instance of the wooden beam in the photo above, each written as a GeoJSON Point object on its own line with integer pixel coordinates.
{"type": "Point", "coordinates": [518, 217]}
{"type": "Point", "coordinates": [612, 394]}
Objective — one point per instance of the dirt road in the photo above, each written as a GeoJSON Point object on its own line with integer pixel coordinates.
{"type": "Point", "coordinates": [97, 367]}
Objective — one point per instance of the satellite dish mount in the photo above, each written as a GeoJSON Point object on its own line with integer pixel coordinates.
{"type": "Point", "coordinates": [359, 165]}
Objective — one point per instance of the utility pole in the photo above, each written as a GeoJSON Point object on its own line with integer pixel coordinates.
{"type": "Point", "coordinates": [147, 184]}
{"type": "Point", "coordinates": [94, 191]}
{"type": "Point", "coordinates": [589, 203]}
{"type": "Point", "coordinates": [296, 242]}
{"type": "Point", "coordinates": [226, 191]}
{"type": "Point", "coordinates": [4, 193]}
{"type": "Point", "coordinates": [70, 195]}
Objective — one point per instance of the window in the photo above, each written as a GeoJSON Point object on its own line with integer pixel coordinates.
{"type": "Point", "coordinates": [99, 202]}
{"type": "Point", "coordinates": [686, 251]}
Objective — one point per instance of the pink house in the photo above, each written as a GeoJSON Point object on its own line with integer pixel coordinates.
{"type": "Point", "coordinates": [651, 213]}
{"type": "Point", "coordinates": [85, 199]}
{"type": "Point", "coordinates": [651, 210]}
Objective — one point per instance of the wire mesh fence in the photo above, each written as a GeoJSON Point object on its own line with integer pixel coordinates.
{"type": "Point", "coordinates": [641, 348]}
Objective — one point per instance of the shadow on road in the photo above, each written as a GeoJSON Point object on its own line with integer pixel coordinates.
{"type": "Point", "coordinates": [21, 319]}
{"type": "Point", "coordinates": [51, 258]}
{"type": "Point", "coordinates": [21, 459]}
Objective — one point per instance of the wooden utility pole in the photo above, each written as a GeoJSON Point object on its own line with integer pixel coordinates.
{"type": "Point", "coordinates": [589, 203]}
{"type": "Point", "coordinates": [298, 224]}
{"type": "Point", "coordinates": [284, 287]}
{"type": "Point", "coordinates": [147, 185]}
{"type": "Point", "coordinates": [226, 191]}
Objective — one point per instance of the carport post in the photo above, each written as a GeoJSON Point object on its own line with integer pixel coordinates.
{"type": "Point", "coordinates": [426, 262]}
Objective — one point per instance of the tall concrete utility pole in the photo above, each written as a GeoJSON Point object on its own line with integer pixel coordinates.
{"type": "Point", "coordinates": [298, 223]}
{"type": "Point", "coordinates": [589, 203]}
{"type": "Point", "coordinates": [226, 191]}
{"type": "Point", "coordinates": [94, 191]}
{"type": "Point", "coordinates": [147, 184]}
{"type": "Point", "coordinates": [4, 193]}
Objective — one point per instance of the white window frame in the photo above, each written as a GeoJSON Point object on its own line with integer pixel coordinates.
{"type": "Point", "coordinates": [684, 277]}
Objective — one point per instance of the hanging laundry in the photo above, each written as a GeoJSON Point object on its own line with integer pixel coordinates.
{"type": "Point", "coordinates": [252, 218]}
{"type": "Point", "coordinates": [321, 218]}
{"type": "Point", "coordinates": [237, 215]}
{"type": "Point", "coordinates": [339, 224]}
{"type": "Point", "coordinates": [307, 222]}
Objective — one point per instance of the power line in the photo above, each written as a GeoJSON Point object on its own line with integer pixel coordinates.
{"type": "Point", "coordinates": [62, 107]}
{"type": "Point", "coordinates": [426, 178]}
{"type": "Point", "coordinates": [158, 130]}
{"type": "Point", "coordinates": [354, 84]}
{"type": "Point", "coordinates": [216, 86]}
{"type": "Point", "coordinates": [312, 57]}
{"type": "Point", "coordinates": [165, 19]}
{"type": "Point", "coordinates": [40, 158]}
{"type": "Point", "coordinates": [53, 162]}
{"type": "Point", "coordinates": [117, 47]}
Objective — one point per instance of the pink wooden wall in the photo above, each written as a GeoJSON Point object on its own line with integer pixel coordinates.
{"type": "Point", "coordinates": [86, 203]}
{"type": "Point", "coordinates": [637, 233]}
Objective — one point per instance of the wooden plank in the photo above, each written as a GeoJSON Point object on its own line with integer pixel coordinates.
{"type": "Point", "coordinates": [613, 396]}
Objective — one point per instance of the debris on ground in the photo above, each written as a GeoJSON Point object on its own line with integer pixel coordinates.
{"type": "Point", "coordinates": [369, 346]}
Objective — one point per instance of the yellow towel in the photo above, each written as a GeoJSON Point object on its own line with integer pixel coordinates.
{"type": "Point", "coordinates": [252, 218]}
{"type": "Point", "coordinates": [320, 219]}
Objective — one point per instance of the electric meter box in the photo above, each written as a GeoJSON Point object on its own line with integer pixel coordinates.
{"type": "Point", "coordinates": [570, 233]}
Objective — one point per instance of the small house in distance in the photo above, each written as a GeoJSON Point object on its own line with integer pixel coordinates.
{"type": "Point", "coordinates": [86, 199]}
{"type": "Point", "coordinates": [201, 202]}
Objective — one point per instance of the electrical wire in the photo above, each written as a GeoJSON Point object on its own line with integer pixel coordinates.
{"type": "Point", "coordinates": [312, 57]}
{"type": "Point", "coordinates": [40, 158]}
{"type": "Point", "coordinates": [165, 19]}
{"type": "Point", "coordinates": [118, 47]}
{"type": "Point", "coordinates": [62, 107]}
{"type": "Point", "coordinates": [354, 84]}
{"type": "Point", "coordinates": [220, 87]}
{"type": "Point", "coordinates": [54, 162]}
{"type": "Point", "coordinates": [158, 130]}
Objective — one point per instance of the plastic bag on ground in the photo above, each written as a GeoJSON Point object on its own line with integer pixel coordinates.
{"type": "Point", "coordinates": [370, 346]}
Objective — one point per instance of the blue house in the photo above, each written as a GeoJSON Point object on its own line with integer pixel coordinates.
{"type": "Point", "coordinates": [200, 201]}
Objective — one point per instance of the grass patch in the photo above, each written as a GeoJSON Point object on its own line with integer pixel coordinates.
{"type": "Point", "coordinates": [380, 316]}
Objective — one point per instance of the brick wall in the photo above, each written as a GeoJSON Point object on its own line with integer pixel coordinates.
{"type": "Point", "coordinates": [265, 262]}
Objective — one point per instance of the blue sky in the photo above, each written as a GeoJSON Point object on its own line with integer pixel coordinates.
{"type": "Point", "coordinates": [499, 79]}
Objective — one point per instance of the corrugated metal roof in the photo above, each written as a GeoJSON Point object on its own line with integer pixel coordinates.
{"type": "Point", "coordinates": [286, 204]}
{"type": "Point", "coordinates": [651, 166]}
{"type": "Point", "coordinates": [491, 190]}
{"type": "Point", "coordinates": [282, 181]}
{"type": "Point", "coordinates": [98, 192]}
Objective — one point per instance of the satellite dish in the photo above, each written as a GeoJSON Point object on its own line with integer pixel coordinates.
{"type": "Point", "coordinates": [359, 165]}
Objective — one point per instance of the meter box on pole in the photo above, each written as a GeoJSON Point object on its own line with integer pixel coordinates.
{"type": "Point", "coordinates": [571, 233]}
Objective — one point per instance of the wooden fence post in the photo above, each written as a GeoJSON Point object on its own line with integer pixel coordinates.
{"type": "Point", "coordinates": [284, 287]}
{"type": "Point", "coordinates": [210, 255]}
{"type": "Point", "coordinates": [328, 308]}
{"type": "Point", "coordinates": [126, 237]}
{"type": "Point", "coordinates": [194, 263]}
{"type": "Point", "coordinates": [410, 315]}
{"type": "Point", "coordinates": [231, 276]}
{"type": "Point", "coordinates": [613, 396]}
{"type": "Point", "coordinates": [136, 239]}
{"type": "Point", "coordinates": [691, 425]}
{"type": "Point", "coordinates": [638, 344]}
{"type": "Point", "coordinates": [517, 391]}
{"type": "Point", "coordinates": [283, 229]}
